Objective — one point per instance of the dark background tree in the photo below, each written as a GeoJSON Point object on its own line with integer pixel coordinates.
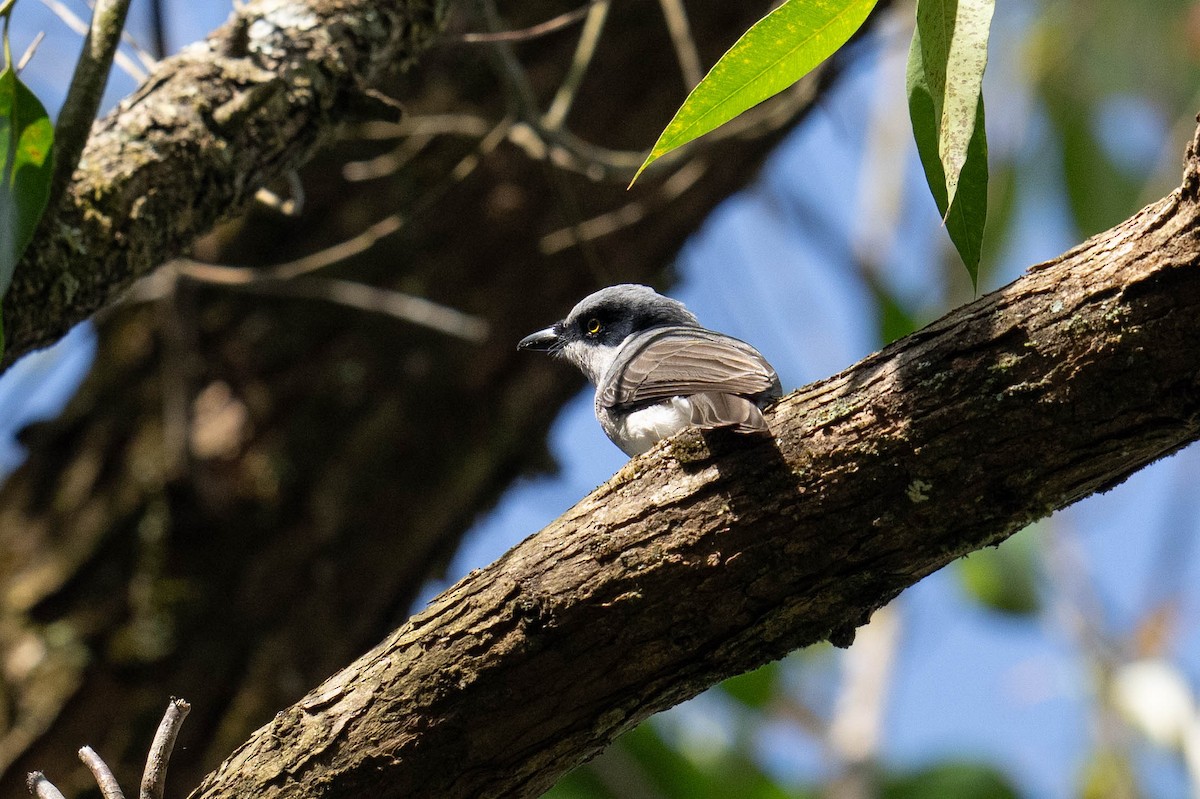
{"type": "Point", "coordinates": [216, 513]}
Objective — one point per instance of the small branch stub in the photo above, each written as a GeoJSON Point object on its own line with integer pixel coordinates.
{"type": "Point", "coordinates": [109, 788]}
{"type": "Point", "coordinates": [41, 787]}
{"type": "Point", "coordinates": [154, 778]}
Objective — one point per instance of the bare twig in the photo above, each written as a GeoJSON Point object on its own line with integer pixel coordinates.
{"type": "Point", "coordinates": [533, 31]}
{"type": "Point", "coordinates": [681, 37]}
{"type": "Point", "coordinates": [83, 95]}
{"type": "Point", "coordinates": [281, 279]}
{"type": "Point", "coordinates": [158, 28]}
{"type": "Point", "coordinates": [524, 103]}
{"type": "Point", "coordinates": [237, 275]}
{"type": "Point", "coordinates": [78, 26]}
{"type": "Point", "coordinates": [388, 163]}
{"type": "Point", "coordinates": [30, 50]}
{"type": "Point", "coordinates": [292, 205]}
{"type": "Point", "coordinates": [41, 787]}
{"type": "Point", "coordinates": [625, 216]}
{"type": "Point", "coordinates": [406, 307]}
{"type": "Point", "coordinates": [417, 133]}
{"type": "Point", "coordinates": [109, 788]}
{"type": "Point", "coordinates": [564, 98]}
{"type": "Point", "coordinates": [857, 722]}
{"type": "Point", "coordinates": [467, 125]}
{"type": "Point", "coordinates": [154, 778]}
{"type": "Point", "coordinates": [417, 310]}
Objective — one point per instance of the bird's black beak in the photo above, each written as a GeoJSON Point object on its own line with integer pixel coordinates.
{"type": "Point", "coordinates": [542, 341]}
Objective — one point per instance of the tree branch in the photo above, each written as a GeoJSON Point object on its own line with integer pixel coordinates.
{"type": "Point", "coordinates": [87, 87]}
{"type": "Point", "coordinates": [710, 555]}
{"type": "Point", "coordinates": [205, 131]}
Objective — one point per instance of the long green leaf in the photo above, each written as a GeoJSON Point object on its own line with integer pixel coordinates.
{"type": "Point", "coordinates": [780, 49]}
{"type": "Point", "coordinates": [954, 38]}
{"type": "Point", "coordinates": [962, 200]}
{"type": "Point", "coordinates": [26, 147]}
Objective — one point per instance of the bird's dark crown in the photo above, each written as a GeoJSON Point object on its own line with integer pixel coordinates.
{"type": "Point", "coordinates": [611, 315]}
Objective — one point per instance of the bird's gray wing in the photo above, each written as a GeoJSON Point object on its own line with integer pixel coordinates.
{"type": "Point", "coordinates": [681, 361]}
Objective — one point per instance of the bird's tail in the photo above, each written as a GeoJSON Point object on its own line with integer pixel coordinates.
{"type": "Point", "coordinates": [711, 410]}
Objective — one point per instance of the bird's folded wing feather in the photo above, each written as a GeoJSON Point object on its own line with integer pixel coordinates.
{"type": "Point", "coordinates": [681, 361]}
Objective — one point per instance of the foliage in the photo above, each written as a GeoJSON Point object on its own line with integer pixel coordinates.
{"type": "Point", "coordinates": [26, 156]}
{"type": "Point", "coordinates": [958, 780]}
{"type": "Point", "coordinates": [1004, 579]}
{"type": "Point", "coordinates": [945, 102]}
{"type": "Point", "coordinates": [945, 91]}
{"type": "Point", "coordinates": [777, 51]}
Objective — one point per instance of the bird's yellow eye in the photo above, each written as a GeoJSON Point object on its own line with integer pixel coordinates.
{"type": "Point", "coordinates": [593, 326]}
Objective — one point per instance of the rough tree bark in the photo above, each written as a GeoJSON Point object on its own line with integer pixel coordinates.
{"type": "Point", "coordinates": [134, 565]}
{"type": "Point", "coordinates": [197, 140]}
{"type": "Point", "coordinates": [712, 555]}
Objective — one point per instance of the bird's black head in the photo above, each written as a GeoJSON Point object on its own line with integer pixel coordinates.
{"type": "Point", "coordinates": [596, 327]}
{"type": "Point", "coordinates": [611, 315]}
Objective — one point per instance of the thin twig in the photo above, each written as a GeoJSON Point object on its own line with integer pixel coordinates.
{"type": "Point", "coordinates": [80, 28]}
{"type": "Point", "coordinates": [154, 778]}
{"type": "Point", "coordinates": [467, 125]}
{"type": "Point", "coordinates": [293, 204]}
{"type": "Point", "coordinates": [681, 38]}
{"type": "Point", "coordinates": [589, 37]}
{"type": "Point", "coordinates": [30, 50]}
{"type": "Point", "coordinates": [158, 29]}
{"type": "Point", "coordinates": [86, 89]}
{"type": "Point", "coordinates": [532, 32]}
{"type": "Point", "coordinates": [867, 671]}
{"type": "Point", "coordinates": [361, 297]}
{"type": "Point", "coordinates": [388, 163]}
{"type": "Point", "coordinates": [463, 169]}
{"type": "Point", "coordinates": [109, 788]}
{"type": "Point", "coordinates": [281, 279]}
{"type": "Point", "coordinates": [416, 310]}
{"type": "Point", "coordinates": [41, 787]}
{"type": "Point", "coordinates": [627, 215]}
{"type": "Point", "coordinates": [330, 255]}
{"type": "Point", "coordinates": [524, 102]}
{"type": "Point", "coordinates": [416, 133]}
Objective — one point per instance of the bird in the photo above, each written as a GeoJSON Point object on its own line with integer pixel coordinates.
{"type": "Point", "coordinates": [656, 369]}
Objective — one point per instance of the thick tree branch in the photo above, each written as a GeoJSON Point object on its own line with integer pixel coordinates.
{"type": "Point", "coordinates": [206, 130]}
{"type": "Point", "coordinates": [708, 557]}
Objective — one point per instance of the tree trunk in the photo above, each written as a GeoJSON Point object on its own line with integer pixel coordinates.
{"type": "Point", "coordinates": [714, 554]}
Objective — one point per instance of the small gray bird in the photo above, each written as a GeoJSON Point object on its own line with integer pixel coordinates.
{"type": "Point", "coordinates": [656, 370]}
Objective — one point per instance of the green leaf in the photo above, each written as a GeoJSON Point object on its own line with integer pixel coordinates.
{"type": "Point", "coordinates": [945, 102]}
{"type": "Point", "coordinates": [1100, 193]}
{"type": "Point", "coordinates": [582, 783]}
{"type": "Point", "coordinates": [26, 148]}
{"type": "Point", "coordinates": [676, 774]}
{"type": "Point", "coordinates": [777, 51]}
{"type": "Point", "coordinates": [945, 780]}
{"type": "Point", "coordinates": [1004, 579]}
{"type": "Point", "coordinates": [953, 36]}
{"type": "Point", "coordinates": [755, 689]}
{"type": "Point", "coordinates": [1107, 772]}
{"type": "Point", "coordinates": [894, 320]}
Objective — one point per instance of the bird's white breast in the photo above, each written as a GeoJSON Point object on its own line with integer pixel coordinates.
{"type": "Point", "coordinates": [638, 431]}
